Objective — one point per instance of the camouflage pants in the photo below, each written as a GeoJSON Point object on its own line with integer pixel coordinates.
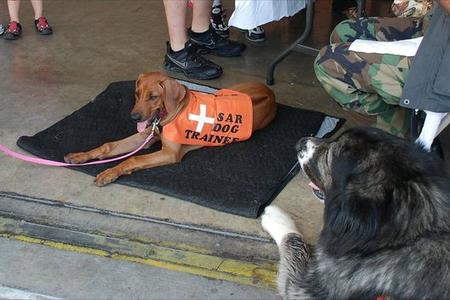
{"type": "Point", "coordinates": [369, 83]}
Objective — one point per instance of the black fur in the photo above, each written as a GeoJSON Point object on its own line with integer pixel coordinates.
{"type": "Point", "coordinates": [386, 223]}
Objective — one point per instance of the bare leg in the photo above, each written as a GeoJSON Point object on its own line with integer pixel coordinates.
{"type": "Point", "coordinates": [201, 15]}
{"type": "Point", "coordinates": [176, 22]}
{"type": "Point", "coordinates": [38, 8]}
{"type": "Point", "coordinates": [13, 8]}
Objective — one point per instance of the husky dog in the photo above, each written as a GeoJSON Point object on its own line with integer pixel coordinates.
{"type": "Point", "coordinates": [386, 222]}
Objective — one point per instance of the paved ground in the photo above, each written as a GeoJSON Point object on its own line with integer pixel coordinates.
{"type": "Point", "coordinates": [43, 79]}
{"type": "Point", "coordinates": [96, 42]}
{"type": "Point", "coordinates": [29, 269]}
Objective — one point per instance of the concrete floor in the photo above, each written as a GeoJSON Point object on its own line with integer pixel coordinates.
{"type": "Point", "coordinates": [43, 79]}
{"type": "Point", "coordinates": [29, 269]}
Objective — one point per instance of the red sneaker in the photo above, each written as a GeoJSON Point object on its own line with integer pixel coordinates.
{"type": "Point", "coordinates": [13, 31]}
{"type": "Point", "coordinates": [42, 26]}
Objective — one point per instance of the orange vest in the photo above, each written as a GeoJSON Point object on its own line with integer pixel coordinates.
{"type": "Point", "coordinates": [212, 119]}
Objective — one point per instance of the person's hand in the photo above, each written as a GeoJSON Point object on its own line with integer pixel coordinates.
{"type": "Point", "coordinates": [411, 8]}
{"type": "Point", "coordinates": [398, 7]}
{"type": "Point", "coordinates": [445, 4]}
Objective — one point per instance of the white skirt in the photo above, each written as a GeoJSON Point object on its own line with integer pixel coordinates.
{"type": "Point", "coordinates": [249, 14]}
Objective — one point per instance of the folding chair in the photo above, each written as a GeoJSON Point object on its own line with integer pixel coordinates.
{"type": "Point", "coordinates": [298, 45]}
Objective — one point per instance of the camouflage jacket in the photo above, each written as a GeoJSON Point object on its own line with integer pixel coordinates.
{"type": "Point", "coordinates": [428, 84]}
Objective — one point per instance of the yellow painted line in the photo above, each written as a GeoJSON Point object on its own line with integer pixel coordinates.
{"type": "Point", "coordinates": [248, 269]}
{"type": "Point", "coordinates": [214, 267]}
{"type": "Point", "coordinates": [57, 245]}
{"type": "Point", "coordinates": [259, 281]}
{"type": "Point", "coordinates": [186, 257]}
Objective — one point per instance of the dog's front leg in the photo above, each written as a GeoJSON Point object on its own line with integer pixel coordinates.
{"type": "Point", "coordinates": [135, 163]}
{"type": "Point", "coordinates": [110, 149]}
{"type": "Point", "coordinates": [294, 252]}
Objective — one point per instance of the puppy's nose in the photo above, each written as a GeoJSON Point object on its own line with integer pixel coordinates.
{"type": "Point", "coordinates": [301, 144]}
{"type": "Point", "coordinates": [136, 116]}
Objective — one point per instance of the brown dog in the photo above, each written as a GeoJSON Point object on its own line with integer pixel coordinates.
{"type": "Point", "coordinates": [160, 96]}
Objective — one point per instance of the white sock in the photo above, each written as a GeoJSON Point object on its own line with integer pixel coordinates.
{"type": "Point", "coordinates": [430, 128]}
{"type": "Point", "coordinates": [217, 2]}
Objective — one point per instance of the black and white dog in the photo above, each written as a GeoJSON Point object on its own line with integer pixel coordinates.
{"type": "Point", "coordinates": [386, 222]}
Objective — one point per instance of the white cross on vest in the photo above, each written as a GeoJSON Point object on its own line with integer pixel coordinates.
{"type": "Point", "coordinates": [201, 118]}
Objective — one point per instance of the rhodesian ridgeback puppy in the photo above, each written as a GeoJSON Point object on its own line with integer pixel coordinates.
{"type": "Point", "coordinates": [188, 121]}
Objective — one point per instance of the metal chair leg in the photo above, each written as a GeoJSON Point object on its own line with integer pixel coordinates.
{"type": "Point", "coordinates": [298, 44]}
{"type": "Point", "coordinates": [299, 41]}
{"type": "Point", "coordinates": [414, 124]}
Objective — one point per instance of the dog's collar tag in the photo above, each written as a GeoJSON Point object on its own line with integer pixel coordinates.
{"type": "Point", "coordinates": [155, 124]}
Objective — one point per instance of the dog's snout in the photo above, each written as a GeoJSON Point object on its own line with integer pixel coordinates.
{"type": "Point", "coordinates": [301, 145]}
{"type": "Point", "coordinates": [305, 149]}
{"type": "Point", "coordinates": [136, 116]}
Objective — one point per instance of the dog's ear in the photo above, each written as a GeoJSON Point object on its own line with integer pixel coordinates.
{"type": "Point", "coordinates": [354, 211]}
{"type": "Point", "coordinates": [351, 225]}
{"type": "Point", "coordinates": [173, 93]}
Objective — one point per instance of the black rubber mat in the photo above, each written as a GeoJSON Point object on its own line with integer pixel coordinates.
{"type": "Point", "coordinates": [241, 178]}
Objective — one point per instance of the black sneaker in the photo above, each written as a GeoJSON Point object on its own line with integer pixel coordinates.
{"type": "Point", "coordinates": [210, 42]}
{"type": "Point", "coordinates": [218, 21]}
{"type": "Point", "coordinates": [256, 34]}
{"type": "Point", "coordinates": [190, 63]}
{"type": "Point", "coordinates": [13, 31]}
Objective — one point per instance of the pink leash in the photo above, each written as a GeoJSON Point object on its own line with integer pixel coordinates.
{"type": "Point", "coordinates": [52, 163]}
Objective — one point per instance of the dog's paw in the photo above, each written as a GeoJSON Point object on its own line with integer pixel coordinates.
{"type": "Point", "coordinates": [76, 158]}
{"type": "Point", "coordinates": [105, 177]}
{"type": "Point", "coordinates": [277, 223]}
